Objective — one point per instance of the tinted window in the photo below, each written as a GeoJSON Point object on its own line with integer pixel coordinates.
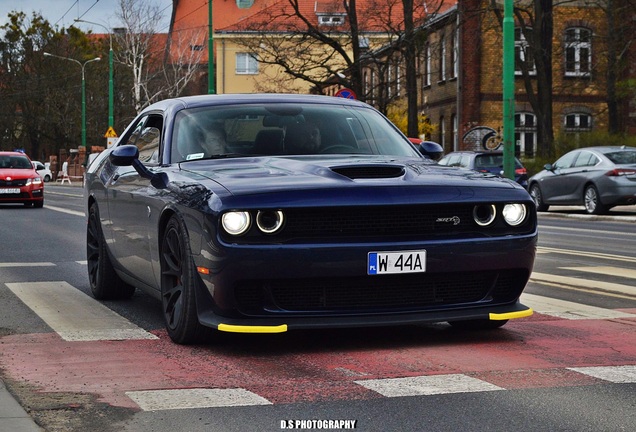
{"type": "Point", "coordinates": [15, 162]}
{"type": "Point", "coordinates": [566, 161]}
{"type": "Point", "coordinates": [622, 157]}
{"type": "Point", "coordinates": [284, 129]}
{"type": "Point", "coordinates": [586, 159]}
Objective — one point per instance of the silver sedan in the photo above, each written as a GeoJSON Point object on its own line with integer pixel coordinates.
{"type": "Point", "coordinates": [598, 178]}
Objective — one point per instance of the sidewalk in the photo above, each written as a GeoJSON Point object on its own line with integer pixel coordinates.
{"type": "Point", "coordinates": [13, 418]}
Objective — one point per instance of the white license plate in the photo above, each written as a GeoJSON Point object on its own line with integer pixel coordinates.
{"type": "Point", "coordinates": [10, 191]}
{"type": "Point", "coordinates": [396, 262]}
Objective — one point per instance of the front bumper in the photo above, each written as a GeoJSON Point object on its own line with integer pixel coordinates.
{"type": "Point", "coordinates": [275, 288]}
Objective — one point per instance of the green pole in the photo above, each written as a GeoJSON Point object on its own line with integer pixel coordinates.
{"type": "Point", "coordinates": [111, 92]}
{"type": "Point", "coordinates": [211, 89]}
{"type": "Point", "coordinates": [83, 108]}
{"type": "Point", "coordinates": [509, 90]}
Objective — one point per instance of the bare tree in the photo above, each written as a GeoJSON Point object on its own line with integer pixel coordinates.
{"type": "Point", "coordinates": [139, 47]}
{"type": "Point", "coordinates": [182, 62]}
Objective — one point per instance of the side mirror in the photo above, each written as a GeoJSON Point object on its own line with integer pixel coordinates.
{"type": "Point", "coordinates": [548, 167]}
{"type": "Point", "coordinates": [128, 155]}
{"type": "Point", "coordinates": [124, 155]}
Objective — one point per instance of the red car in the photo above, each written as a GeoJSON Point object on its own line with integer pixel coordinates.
{"type": "Point", "coordinates": [19, 181]}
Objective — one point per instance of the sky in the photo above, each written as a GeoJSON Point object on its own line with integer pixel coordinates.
{"type": "Point", "coordinates": [62, 13]}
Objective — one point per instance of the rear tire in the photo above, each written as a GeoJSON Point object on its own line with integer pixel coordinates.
{"type": "Point", "coordinates": [592, 201]}
{"type": "Point", "coordinates": [178, 285]}
{"type": "Point", "coordinates": [104, 282]}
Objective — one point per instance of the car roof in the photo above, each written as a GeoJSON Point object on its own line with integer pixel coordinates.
{"type": "Point", "coordinates": [228, 99]}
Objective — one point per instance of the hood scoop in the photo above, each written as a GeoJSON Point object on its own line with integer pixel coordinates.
{"type": "Point", "coordinates": [369, 171]}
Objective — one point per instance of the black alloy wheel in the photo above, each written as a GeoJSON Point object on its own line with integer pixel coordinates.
{"type": "Point", "coordinates": [104, 282]}
{"type": "Point", "coordinates": [178, 282]}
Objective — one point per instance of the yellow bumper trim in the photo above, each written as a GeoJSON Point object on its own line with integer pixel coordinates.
{"type": "Point", "coordinates": [252, 329]}
{"type": "Point", "coordinates": [510, 315]}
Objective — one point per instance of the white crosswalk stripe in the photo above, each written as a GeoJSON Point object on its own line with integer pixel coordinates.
{"type": "Point", "coordinates": [74, 315]}
{"type": "Point", "coordinates": [156, 400]}
{"type": "Point", "coordinates": [569, 310]}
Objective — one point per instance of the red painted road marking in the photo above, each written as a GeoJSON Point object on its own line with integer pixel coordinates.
{"type": "Point", "coordinates": [325, 365]}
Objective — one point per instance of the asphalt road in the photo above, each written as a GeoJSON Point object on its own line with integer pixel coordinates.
{"type": "Point", "coordinates": [569, 367]}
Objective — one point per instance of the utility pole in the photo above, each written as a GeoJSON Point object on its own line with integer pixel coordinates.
{"type": "Point", "coordinates": [211, 89]}
{"type": "Point", "coordinates": [509, 90]}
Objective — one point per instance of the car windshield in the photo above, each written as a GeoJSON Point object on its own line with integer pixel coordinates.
{"type": "Point", "coordinates": [15, 162]}
{"type": "Point", "coordinates": [623, 157]}
{"type": "Point", "coordinates": [284, 129]}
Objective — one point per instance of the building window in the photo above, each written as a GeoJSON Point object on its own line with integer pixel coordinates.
{"type": "Point", "coordinates": [523, 53]}
{"type": "Point", "coordinates": [196, 47]}
{"type": "Point", "coordinates": [455, 55]}
{"type": "Point", "coordinates": [442, 133]}
{"type": "Point", "coordinates": [454, 139]}
{"type": "Point", "coordinates": [578, 52]}
{"type": "Point", "coordinates": [332, 20]}
{"type": "Point", "coordinates": [426, 82]}
{"type": "Point", "coordinates": [525, 134]}
{"type": "Point", "coordinates": [442, 58]}
{"type": "Point", "coordinates": [246, 64]}
{"type": "Point", "coordinates": [578, 122]}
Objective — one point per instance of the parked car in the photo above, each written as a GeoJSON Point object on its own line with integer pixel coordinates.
{"type": "Point", "coordinates": [598, 178]}
{"type": "Point", "coordinates": [43, 170]}
{"type": "Point", "coordinates": [19, 182]}
{"type": "Point", "coordinates": [486, 161]}
{"type": "Point", "coordinates": [268, 213]}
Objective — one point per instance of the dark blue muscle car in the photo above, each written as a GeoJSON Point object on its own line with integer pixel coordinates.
{"type": "Point", "coordinates": [267, 213]}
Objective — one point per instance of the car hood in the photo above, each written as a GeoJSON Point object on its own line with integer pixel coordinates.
{"type": "Point", "coordinates": [15, 173]}
{"type": "Point", "coordinates": [242, 176]}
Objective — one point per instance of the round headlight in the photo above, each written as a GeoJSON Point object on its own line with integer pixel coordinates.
{"type": "Point", "coordinates": [269, 221]}
{"type": "Point", "coordinates": [236, 222]}
{"type": "Point", "coordinates": [514, 214]}
{"type": "Point", "coordinates": [484, 214]}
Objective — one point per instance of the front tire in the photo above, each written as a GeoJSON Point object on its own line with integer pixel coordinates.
{"type": "Point", "coordinates": [104, 282]}
{"type": "Point", "coordinates": [178, 284]}
{"type": "Point", "coordinates": [537, 197]}
{"type": "Point", "coordinates": [592, 201]}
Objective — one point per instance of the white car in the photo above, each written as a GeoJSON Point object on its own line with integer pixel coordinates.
{"type": "Point", "coordinates": [43, 170]}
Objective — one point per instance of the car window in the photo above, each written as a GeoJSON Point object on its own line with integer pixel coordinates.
{"type": "Point", "coordinates": [464, 162]}
{"type": "Point", "coordinates": [566, 160]}
{"type": "Point", "coordinates": [586, 159]}
{"type": "Point", "coordinates": [623, 157]}
{"type": "Point", "coordinates": [488, 161]}
{"type": "Point", "coordinates": [284, 129]}
{"type": "Point", "coordinates": [15, 162]}
{"type": "Point", "coordinates": [451, 160]}
{"type": "Point", "coordinates": [146, 135]}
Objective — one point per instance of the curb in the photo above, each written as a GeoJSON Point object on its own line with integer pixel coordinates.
{"type": "Point", "coordinates": [12, 416]}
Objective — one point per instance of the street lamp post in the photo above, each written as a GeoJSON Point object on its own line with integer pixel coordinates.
{"type": "Point", "coordinates": [83, 66]}
{"type": "Point", "coordinates": [111, 95]}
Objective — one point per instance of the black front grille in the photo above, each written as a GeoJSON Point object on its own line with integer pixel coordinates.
{"type": "Point", "coordinates": [385, 293]}
{"type": "Point", "coordinates": [13, 183]}
{"type": "Point", "coordinates": [409, 222]}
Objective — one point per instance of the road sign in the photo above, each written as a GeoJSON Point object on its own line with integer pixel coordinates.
{"type": "Point", "coordinates": [110, 133]}
{"type": "Point", "coordinates": [346, 93]}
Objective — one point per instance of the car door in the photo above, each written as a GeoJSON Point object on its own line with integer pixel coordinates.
{"type": "Point", "coordinates": [132, 203]}
{"type": "Point", "coordinates": [582, 171]}
{"type": "Point", "coordinates": [559, 184]}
